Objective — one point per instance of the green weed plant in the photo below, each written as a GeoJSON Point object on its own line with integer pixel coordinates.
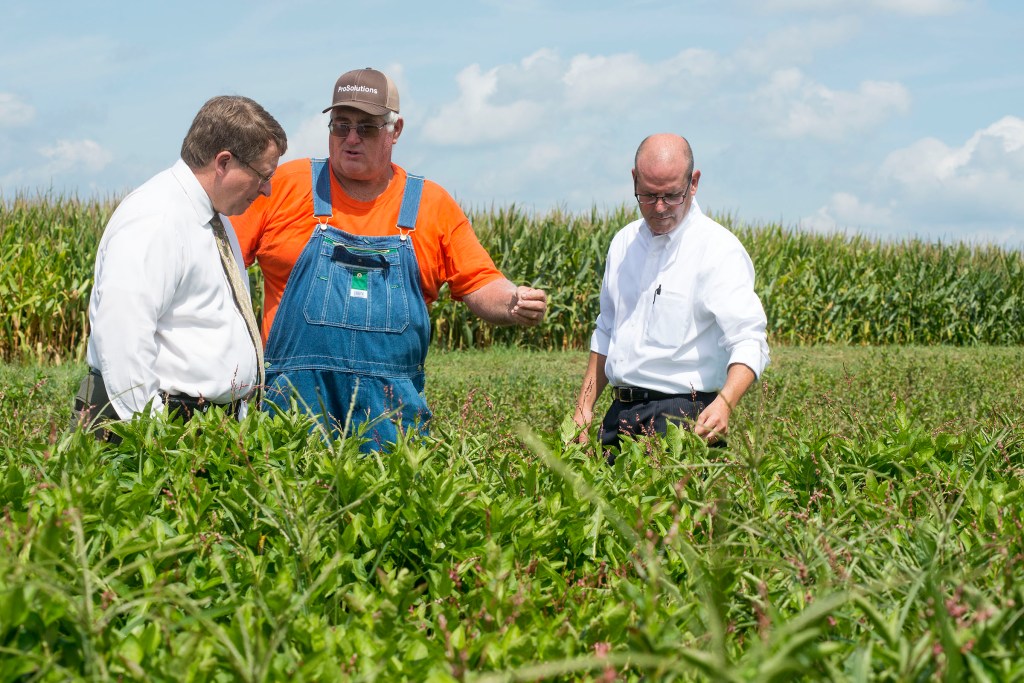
{"type": "Point", "coordinates": [860, 526]}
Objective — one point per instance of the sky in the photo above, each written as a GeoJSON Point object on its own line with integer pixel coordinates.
{"type": "Point", "coordinates": [894, 119]}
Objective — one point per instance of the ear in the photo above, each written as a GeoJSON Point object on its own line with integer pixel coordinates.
{"type": "Point", "coordinates": [220, 162]}
{"type": "Point", "coordinates": [399, 125]}
{"type": "Point", "coordinates": [694, 181]}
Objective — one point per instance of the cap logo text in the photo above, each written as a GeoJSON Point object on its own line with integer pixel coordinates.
{"type": "Point", "coordinates": [356, 88]}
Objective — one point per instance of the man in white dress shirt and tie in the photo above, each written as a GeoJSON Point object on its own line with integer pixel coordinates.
{"type": "Point", "coordinates": [171, 321]}
{"type": "Point", "coordinates": [681, 333]}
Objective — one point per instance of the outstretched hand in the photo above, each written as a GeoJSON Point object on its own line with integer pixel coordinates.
{"type": "Point", "coordinates": [528, 306]}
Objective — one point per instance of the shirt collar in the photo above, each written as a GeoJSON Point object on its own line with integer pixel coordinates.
{"type": "Point", "coordinates": [197, 197]}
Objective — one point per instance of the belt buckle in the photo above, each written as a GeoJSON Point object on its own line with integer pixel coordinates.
{"type": "Point", "coordinates": [627, 395]}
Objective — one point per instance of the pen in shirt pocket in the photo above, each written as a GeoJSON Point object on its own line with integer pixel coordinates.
{"type": "Point", "coordinates": [656, 293]}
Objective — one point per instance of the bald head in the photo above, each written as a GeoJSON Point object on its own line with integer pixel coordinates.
{"type": "Point", "coordinates": [665, 181]}
{"type": "Point", "coordinates": [664, 156]}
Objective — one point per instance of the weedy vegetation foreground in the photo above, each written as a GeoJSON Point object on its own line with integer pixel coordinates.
{"type": "Point", "coordinates": [864, 523]}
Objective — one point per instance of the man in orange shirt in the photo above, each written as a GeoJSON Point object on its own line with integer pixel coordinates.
{"type": "Point", "coordinates": [364, 248]}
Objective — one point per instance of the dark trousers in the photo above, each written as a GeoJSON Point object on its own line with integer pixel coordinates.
{"type": "Point", "coordinates": [92, 407]}
{"type": "Point", "coordinates": [639, 418]}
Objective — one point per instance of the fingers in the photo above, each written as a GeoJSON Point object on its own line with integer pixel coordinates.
{"type": "Point", "coordinates": [709, 434]}
{"type": "Point", "coordinates": [531, 294]}
{"type": "Point", "coordinates": [711, 425]}
{"type": "Point", "coordinates": [712, 437]}
{"type": "Point", "coordinates": [582, 418]}
{"type": "Point", "coordinates": [530, 305]}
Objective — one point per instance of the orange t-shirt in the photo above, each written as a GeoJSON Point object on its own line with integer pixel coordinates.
{"type": "Point", "coordinates": [275, 229]}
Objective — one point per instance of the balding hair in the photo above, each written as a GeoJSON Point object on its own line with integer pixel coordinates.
{"type": "Point", "coordinates": [664, 149]}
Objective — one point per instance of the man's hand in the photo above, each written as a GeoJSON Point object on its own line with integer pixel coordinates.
{"type": "Point", "coordinates": [713, 422]}
{"type": "Point", "coordinates": [583, 417]}
{"type": "Point", "coordinates": [501, 302]}
{"type": "Point", "coordinates": [527, 306]}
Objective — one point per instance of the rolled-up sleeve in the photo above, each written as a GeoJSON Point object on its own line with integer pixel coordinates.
{"type": "Point", "coordinates": [730, 296]}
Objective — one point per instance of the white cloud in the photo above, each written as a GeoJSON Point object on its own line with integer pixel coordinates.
{"type": "Point", "coordinates": [917, 8]}
{"type": "Point", "coordinates": [547, 174]}
{"type": "Point", "coordinates": [310, 140]}
{"type": "Point", "coordinates": [845, 213]}
{"type": "Point", "coordinates": [986, 171]}
{"type": "Point", "coordinates": [794, 106]}
{"type": "Point", "coordinates": [475, 118]}
{"type": "Point", "coordinates": [510, 102]}
{"type": "Point", "coordinates": [69, 155]}
{"type": "Point", "coordinates": [66, 163]}
{"type": "Point", "coordinates": [542, 156]}
{"type": "Point", "coordinates": [14, 112]}
{"type": "Point", "coordinates": [592, 81]}
{"type": "Point", "coordinates": [971, 191]}
{"type": "Point", "coordinates": [921, 8]}
{"type": "Point", "coordinates": [619, 82]}
{"type": "Point", "coordinates": [796, 44]}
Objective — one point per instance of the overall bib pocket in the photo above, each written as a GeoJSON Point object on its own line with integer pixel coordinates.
{"type": "Point", "coordinates": [358, 288]}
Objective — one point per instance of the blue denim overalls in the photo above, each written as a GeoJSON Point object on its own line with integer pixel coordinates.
{"type": "Point", "coordinates": [351, 332]}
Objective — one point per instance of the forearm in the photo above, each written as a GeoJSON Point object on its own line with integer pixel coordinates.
{"type": "Point", "coordinates": [594, 382]}
{"type": "Point", "coordinates": [501, 302]}
{"type": "Point", "coordinates": [713, 421]}
{"type": "Point", "coordinates": [492, 302]}
{"type": "Point", "coordinates": [739, 378]}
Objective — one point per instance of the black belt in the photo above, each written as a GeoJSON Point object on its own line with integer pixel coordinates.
{"type": "Point", "coordinates": [185, 404]}
{"type": "Point", "coordinates": [188, 406]}
{"type": "Point", "coordinates": [636, 395]}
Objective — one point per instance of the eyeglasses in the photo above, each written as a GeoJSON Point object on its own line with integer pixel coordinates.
{"type": "Point", "coordinates": [674, 199]}
{"type": "Point", "coordinates": [264, 179]}
{"type": "Point", "coordinates": [363, 130]}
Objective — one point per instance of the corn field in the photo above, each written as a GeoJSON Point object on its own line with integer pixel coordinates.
{"type": "Point", "coordinates": [47, 247]}
{"type": "Point", "coordinates": [815, 288]}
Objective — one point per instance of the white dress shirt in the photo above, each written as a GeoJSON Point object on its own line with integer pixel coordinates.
{"type": "Point", "coordinates": [162, 314]}
{"type": "Point", "coordinates": [677, 309]}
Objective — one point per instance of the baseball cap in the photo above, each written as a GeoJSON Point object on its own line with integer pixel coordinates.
{"type": "Point", "coordinates": [367, 90]}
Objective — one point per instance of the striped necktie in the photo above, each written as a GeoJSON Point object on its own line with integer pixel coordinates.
{"type": "Point", "coordinates": [241, 295]}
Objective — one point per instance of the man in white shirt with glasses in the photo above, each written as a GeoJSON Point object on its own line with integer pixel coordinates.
{"type": "Point", "coordinates": [681, 334]}
{"type": "Point", "coordinates": [171, 321]}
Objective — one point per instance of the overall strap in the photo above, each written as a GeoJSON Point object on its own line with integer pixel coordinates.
{"type": "Point", "coordinates": [321, 187]}
{"type": "Point", "coordinates": [322, 194]}
{"type": "Point", "coordinates": [410, 202]}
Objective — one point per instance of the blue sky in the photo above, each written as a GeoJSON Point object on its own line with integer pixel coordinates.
{"type": "Point", "coordinates": [891, 118]}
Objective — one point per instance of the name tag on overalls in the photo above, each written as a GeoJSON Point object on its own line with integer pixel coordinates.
{"type": "Point", "coordinates": [358, 290]}
{"type": "Point", "coordinates": [357, 264]}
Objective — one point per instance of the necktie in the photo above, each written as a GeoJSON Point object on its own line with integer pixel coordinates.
{"type": "Point", "coordinates": [241, 295]}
